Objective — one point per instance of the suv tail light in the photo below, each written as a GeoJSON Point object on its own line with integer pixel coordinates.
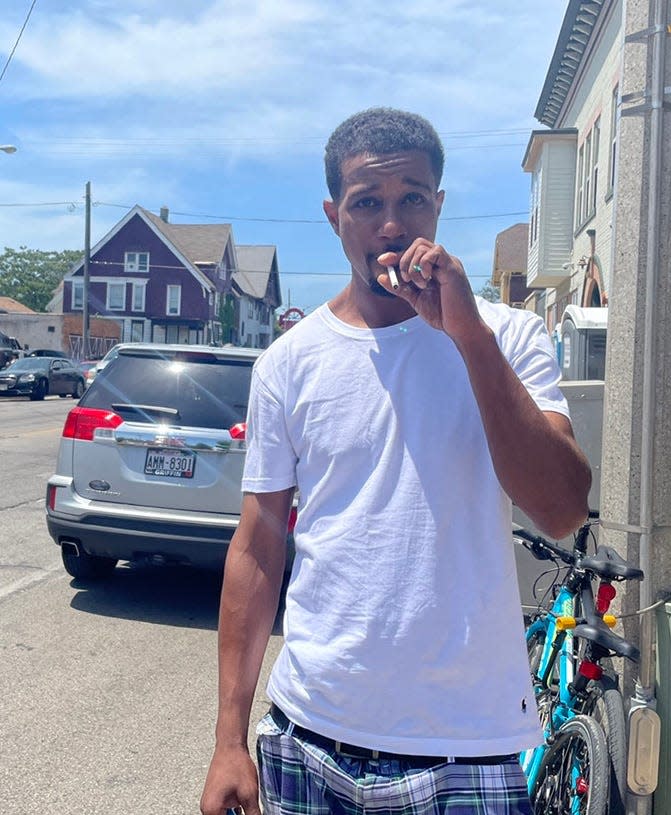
{"type": "Point", "coordinates": [82, 422]}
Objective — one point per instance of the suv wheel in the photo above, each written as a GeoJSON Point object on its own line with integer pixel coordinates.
{"type": "Point", "coordinates": [78, 392]}
{"type": "Point", "coordinates": [86, 566]}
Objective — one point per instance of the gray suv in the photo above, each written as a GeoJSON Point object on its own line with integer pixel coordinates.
{"type": "Point", "coordinates": [151, 459]}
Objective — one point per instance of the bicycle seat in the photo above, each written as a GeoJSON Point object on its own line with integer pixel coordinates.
{"type": "Point", "coordinates": [603, 636]}
{"type": "Point", "coordinates": [608, 564]}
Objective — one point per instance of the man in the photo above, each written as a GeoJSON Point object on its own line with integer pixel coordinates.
{"type": "Point", "coordinates": [407, 418]}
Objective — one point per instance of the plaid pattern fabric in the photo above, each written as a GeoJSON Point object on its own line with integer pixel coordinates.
{"type": "Point", "coordinates": [299, 778]}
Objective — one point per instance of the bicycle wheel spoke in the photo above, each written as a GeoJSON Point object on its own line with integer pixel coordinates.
{"type": "Point", "coordinates": [573, 778]}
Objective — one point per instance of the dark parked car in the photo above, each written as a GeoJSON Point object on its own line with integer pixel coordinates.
{"type": "Point", "coordinates": [151, 459]}
{"type": "Point", "coordinates": [38, 377]}
{"type": "Point", "coordinates": [10, 349]}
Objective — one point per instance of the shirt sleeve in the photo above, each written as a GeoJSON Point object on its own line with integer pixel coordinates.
{"type": "Point", "coordinates": [530, 352]}
{"type": "Point", "coordinates": [270, 462]}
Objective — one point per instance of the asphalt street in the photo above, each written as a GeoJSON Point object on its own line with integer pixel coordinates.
{"type": "Point", "coordinates": [107, 691]}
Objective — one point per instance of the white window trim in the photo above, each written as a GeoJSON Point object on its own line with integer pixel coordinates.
{"type": "Point", "coordinates": [596, 138]}
{"type": "Point", "coordinates": [587, 176]}
{"type": "Point", "coordinates": [613, 138]}
{"type": "Point", "coordinates": [108, 304]}
{"type": "Point", "coordinates": [77, 285]}
{"type": "Point", "coordinates": [134, 267]}
{"type": "Point", "coordinates": [142, 286]}
{"type": "Point", "coordinates": [168, 289]}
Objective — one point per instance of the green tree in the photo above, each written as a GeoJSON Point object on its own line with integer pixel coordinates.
{"type": "Point", "coordinates": [490, 292]}
{"type": "Point", "coordinates": [31, 275]}
{"type": "Point", "coordinates": [227, 318]}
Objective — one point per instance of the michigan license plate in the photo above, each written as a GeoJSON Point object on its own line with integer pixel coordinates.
{"type": "Point", "coordinates": [170, 463]}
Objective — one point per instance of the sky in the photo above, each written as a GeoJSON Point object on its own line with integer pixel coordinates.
{"type": "Point", "coordinates": [220, 110]}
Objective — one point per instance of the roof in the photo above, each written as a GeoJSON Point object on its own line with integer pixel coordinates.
{"type": "Point", "coordinates": [540, 137]}
{"type": "Point", "coordinates": [10, 306]}
{"type": "Point", "coordinates": [201, 244]}
{"type": "Point", "coordinates": [576, 32]}
{"type": "Point", "coordinates": [255, 264]}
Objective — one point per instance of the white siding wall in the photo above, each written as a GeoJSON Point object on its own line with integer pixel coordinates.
{"type": "Point", "coordinates": [551, 251]}
{"type": "Point", "coordinates": [555, 228]}
{"type": "Point", "coordinates": [257, 333]}
{"type": "Point", "coordinates": [593, 100]}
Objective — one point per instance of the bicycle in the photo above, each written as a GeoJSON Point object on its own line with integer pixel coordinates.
{"type": "Point", "coordinates": [580, 766]}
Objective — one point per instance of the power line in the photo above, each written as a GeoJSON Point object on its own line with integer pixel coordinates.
{"type": "Point", "coordinates": [154, 142]}
{"type": "Point", "coordinates": [11, 53]}
{"type": "Point", "coordinates": [228, 218]}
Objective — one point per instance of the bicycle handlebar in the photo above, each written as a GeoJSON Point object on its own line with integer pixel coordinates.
{"type": "Point", "coordinates": [540, 547]}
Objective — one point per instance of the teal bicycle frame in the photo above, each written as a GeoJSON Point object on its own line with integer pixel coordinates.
{"type": "Point", "coordinates": [560, 684]}
{"type": "Point", "coordinates": [554, 711]}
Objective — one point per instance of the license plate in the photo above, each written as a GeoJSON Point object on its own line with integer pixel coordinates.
{"type": "Point", "coordinates": [3, 387]}
{"type": "Point", "coordinates": [170, 463]}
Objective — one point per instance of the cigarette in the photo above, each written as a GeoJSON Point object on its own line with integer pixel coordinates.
{"type": "Point", "coordinates": [393, 279]}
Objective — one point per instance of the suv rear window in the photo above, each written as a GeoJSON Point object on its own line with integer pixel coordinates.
{"type": "Point", "coordinates": [189, 389]}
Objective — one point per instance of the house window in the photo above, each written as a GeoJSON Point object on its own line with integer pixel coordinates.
{"type": "Point", "coordinates": [136, 262]}
{"type": "Point", "coordinates": [139, 290]}
{"type": "Point", "coordinates": [596, 133]}
{"type": "Point", "coordinates": [587, 178]}
{"type": "Point", "coordinates": [77, 295]}
{"type": "Point", "coordinates": [579, 191]}
{"type": "Point", "coordinates": [173, 300]}
{"type": "Point", "coordinates": [116, 296]}
{"type": "Point", "coordinates": [613, 139]}
{"type": "Point", "coordinates": [588, 173]}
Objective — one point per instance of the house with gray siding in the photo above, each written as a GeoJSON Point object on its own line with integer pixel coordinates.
{"type": "Point", "coordinates": [572, 163]}
{"type": "Point", "coordinates": [165, 282]}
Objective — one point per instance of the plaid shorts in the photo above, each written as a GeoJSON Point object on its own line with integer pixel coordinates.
{"type": "Point", "coordinates": [299, 778]}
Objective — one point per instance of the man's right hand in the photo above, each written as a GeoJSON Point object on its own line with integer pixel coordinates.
{"type": "Point", "coordinates": [232, 781]}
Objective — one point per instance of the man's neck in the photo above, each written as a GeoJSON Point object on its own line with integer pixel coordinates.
{"type": "Point", "coordinates": [368, 310]}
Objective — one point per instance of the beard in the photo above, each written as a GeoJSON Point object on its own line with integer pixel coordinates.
{"type": "Point", "coordinates": [379, 290]}
{"type": "Point", "coordinates": [373, 285]}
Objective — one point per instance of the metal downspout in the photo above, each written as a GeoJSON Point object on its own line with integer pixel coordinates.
{"type": "Point", "coordinates": [645, 686]}
{"type": "Point", "coordinates": [658, 37]}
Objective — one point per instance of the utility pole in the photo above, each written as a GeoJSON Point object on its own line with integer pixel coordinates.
{"type": "Point", "coordinates": [636, 465]}
{"type": "Point", "coordinates": [87, 260]}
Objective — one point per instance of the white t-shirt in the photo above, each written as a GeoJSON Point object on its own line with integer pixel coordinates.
{"type": "Point", "coordinates": [403, 627]}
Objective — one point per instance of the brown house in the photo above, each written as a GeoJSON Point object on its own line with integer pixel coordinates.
{"type": "Point", "coordinates": [509, 270]}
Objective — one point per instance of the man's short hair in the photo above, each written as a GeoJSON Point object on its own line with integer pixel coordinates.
{"type": "Point", "coordinates": [380, 131]}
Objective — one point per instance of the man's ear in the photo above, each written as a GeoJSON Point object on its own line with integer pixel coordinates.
{"type": "Point", "coordinates": [331, 211]}
{"type": "Point", "coordinates": [440, 197]}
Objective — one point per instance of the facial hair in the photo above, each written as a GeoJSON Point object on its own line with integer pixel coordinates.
{"type": "Point", "coordinates": [373, 285]}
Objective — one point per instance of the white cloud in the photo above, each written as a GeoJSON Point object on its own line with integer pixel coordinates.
{"type": "Point", "coordinates": [301, 60]}
{"type": "Point", "coordinates": [224, 106]}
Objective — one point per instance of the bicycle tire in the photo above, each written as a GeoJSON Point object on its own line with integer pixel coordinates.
{"type": "Point", "coordinates": [577, 757]}
{"type": "Point", "coordinates": [606, 705]}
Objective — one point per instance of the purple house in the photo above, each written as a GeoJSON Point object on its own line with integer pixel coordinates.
{"type": "Point", "coordinates": [169, 283]}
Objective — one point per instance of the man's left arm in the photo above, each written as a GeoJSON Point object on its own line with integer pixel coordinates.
{"type": "Point", "coordinates": [534, 452]}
